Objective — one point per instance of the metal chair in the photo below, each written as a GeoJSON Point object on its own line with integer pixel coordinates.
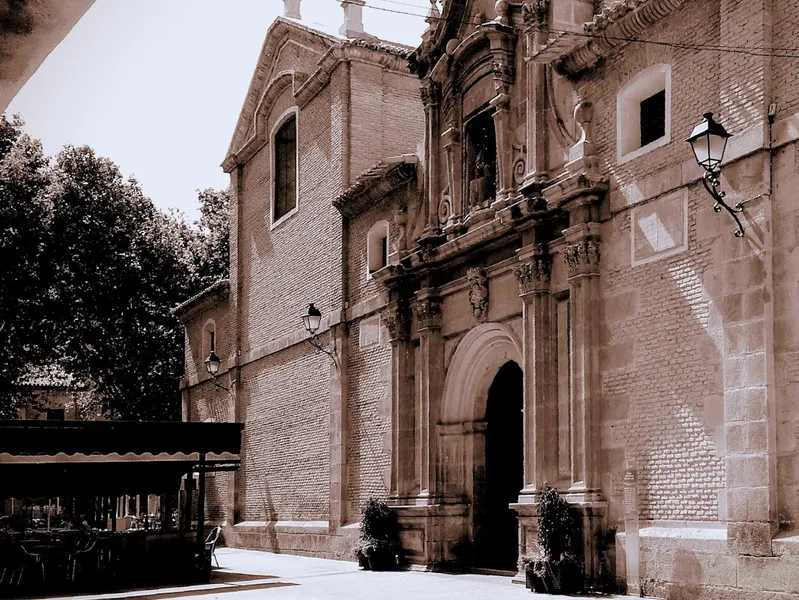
{"type": "Point", "coordinates": [210, 543]}
{"type": "Point", "coordinates": [84, 547]}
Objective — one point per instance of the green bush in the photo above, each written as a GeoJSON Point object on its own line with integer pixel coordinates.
{"type": "Point", "coordinates": [559, 567]}
{"type": "Point", "coordinates": [378, 546]}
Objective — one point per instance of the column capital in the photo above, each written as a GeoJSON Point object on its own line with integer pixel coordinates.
{"type": "Point", "coordinates": [397, 320]}
{"type": "Point", "coordinates": [534, 276]}
{"type": "Point", "coordinates": [582, 258]}
{"type": "Point", "coordinates": [428, 309]}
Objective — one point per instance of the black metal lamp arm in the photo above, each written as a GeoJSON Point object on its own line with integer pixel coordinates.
{"type": "Point", "coordinates": [313, 341]}
{"type": "Point", "coordinates": [712, 183]}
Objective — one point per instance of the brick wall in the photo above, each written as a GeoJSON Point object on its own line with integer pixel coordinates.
{"type": "Point", "coordinates": [286, 454]}
{"type": "Point", "coordinates": [194, 364]}
{"type": "Point", "coordinates": [695, 89]}
{"type": "Point", "coordinates": [368, 421]}
{"type": "Point", "coordinates": [662, 380]}
{"type": "Point", "coordinates": [785, 75]}
{"type": "Point", "coordinates": [387, 118]}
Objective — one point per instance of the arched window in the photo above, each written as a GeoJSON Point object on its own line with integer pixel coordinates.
{"type": "Point", "coordinates": [209, 339]}
{"type": "Point", "coordinates": [643, 113]}
{"type": "Point", "coordinates": [377, 247]}
{"type": "Point", "coordinates": [284, 169]}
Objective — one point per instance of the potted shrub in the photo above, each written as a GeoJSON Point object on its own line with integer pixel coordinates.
{"type": "Point", "coordinates": [378, 546]}
{"type": "Point", "coordinates": [557, 567]}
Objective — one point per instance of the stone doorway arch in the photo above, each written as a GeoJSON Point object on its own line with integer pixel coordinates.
{"type": "Point", "coordinates": [474, 367]}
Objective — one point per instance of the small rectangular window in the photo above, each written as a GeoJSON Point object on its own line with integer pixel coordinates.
{"type": "Point", "coordinates": [212, 340]}
{"type": "Point", "coordinates": [384, 253]}
{"type": "Point", "coordinates": [653, 118]}
{"type": "Point", "coordinates": [55, 414]}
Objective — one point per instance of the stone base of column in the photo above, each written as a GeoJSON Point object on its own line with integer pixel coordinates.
{"type": "Point", "coordinates": [433, 536]}
{"type": "Point", "coordinates": [592, 513]}
{"type": "Point", "coordinates": [593, 517]}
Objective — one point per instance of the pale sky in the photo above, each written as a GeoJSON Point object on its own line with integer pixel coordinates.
{"type": "Point", "coordinates": [157, 85]}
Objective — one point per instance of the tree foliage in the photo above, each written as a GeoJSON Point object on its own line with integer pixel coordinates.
{"type": "Point", "coordinates": [104, 268]}
{"type": "Point", "coordinates": [25, 322]}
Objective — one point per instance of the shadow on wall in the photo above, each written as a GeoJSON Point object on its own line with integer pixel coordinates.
{"type": "Point", "coordinates": [687, 576]}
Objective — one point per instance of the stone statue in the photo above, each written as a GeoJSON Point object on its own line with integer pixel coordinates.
{"type": "Point", "coordinates": [480, 187]}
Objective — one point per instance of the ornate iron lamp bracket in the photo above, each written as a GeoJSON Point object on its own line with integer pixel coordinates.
{"type": "Point", "coordinates": [712, 183]}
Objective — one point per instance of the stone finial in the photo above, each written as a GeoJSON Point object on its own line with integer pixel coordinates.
{"type": "Point", "coordinates": [433, 15]}
{"type": "Point", "coordinates": [501, 9]}
{"type": "Point", "coordinates": [353, 18]}
{"type": "Point", "coordinates": [291, 9]}
{"type": "Point", "coordinates": [478, 292]}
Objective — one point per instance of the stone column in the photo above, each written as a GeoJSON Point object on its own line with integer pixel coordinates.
{"type": "Point", "coordinates": [338, 426]}
{"type": "Point", "coordinates": [504, 175]}
{"type": "Point", "coordinates": [747, 298]}
{"type": "Point", "coordinates": [537, 131]}
{"type": "Point", "coordinates": [452, 146]}
{"type": "Point", "coordinates": [430, 97]}
{"type": "Point", "coordinates": [581, 256]}
{"type": "Point", "coordinates": [403, 414]}
{"type": "Point", "coordinates": [431, 386]}
{"type": "Point", "coordinates": [540, 408]}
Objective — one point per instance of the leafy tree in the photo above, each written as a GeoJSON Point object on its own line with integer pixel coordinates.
{"type": "Point", "coordinates": [121, 266]}
{"type": "Point", "coordinates": [213, 250]}
{"type": "Point", "coordinates": [25, 326]}
{"type": "Point", "coordinates": [90, 271]}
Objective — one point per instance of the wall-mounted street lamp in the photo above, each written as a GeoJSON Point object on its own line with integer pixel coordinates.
{"type": "Point", "coordinates": [709, 141]}
{"type": "Point", "coordinates": [312, 319]}
{"type": "Point", "coordinates": [212, 364]}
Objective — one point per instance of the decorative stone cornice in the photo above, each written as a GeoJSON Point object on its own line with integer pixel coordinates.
{"type": "Point", "coordinates": [331, 50]}
{"type": "Point", "coordinates": [377, 54]}
{"type": "Point", "coordinates": [282, 31]}
{"type": "Point", "coordinates": [534, 276]}
{"type": "Point", "coordinates": [428, 310]}
{"type": "Point", "coordinates": [478, 292]}
{"type": "Point", "coordinates": [582, 258]}
{"type": "Point", "coordinates": [611, 28]}
{"type": "Point", "coordinates": [199, 303]}
{"type": "Point", "coordinates": [376, 183]}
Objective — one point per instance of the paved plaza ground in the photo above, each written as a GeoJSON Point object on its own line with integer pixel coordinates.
{"type": "Point", "coordinates": [250, 575]}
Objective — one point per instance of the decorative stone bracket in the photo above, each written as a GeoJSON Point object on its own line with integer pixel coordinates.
{"type": "Point", "coordinates": [478, 292]}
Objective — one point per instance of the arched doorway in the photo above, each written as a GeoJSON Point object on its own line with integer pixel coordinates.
{"type": "Point", "coordinates": [481, 435]}
{"type": "Point", "coordinates": [495, 525]}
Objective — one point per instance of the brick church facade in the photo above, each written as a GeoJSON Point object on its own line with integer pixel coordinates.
{"type": "Point", "coordinates": [523, 282]}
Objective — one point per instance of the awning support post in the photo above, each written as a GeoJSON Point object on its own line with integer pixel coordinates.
{"type": "Point", "coordinates": [201, 509]}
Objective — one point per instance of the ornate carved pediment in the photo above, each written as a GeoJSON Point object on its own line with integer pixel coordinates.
{"type": "Point", "coordinates": [534, 276]}
{"type": "Point", "coordinates": [478, 292]}
{"type": "Point", "coordinates": [582, 258]}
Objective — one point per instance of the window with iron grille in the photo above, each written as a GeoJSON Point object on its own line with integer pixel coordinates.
{"type": "Point", "coordinates": [285, 169]}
